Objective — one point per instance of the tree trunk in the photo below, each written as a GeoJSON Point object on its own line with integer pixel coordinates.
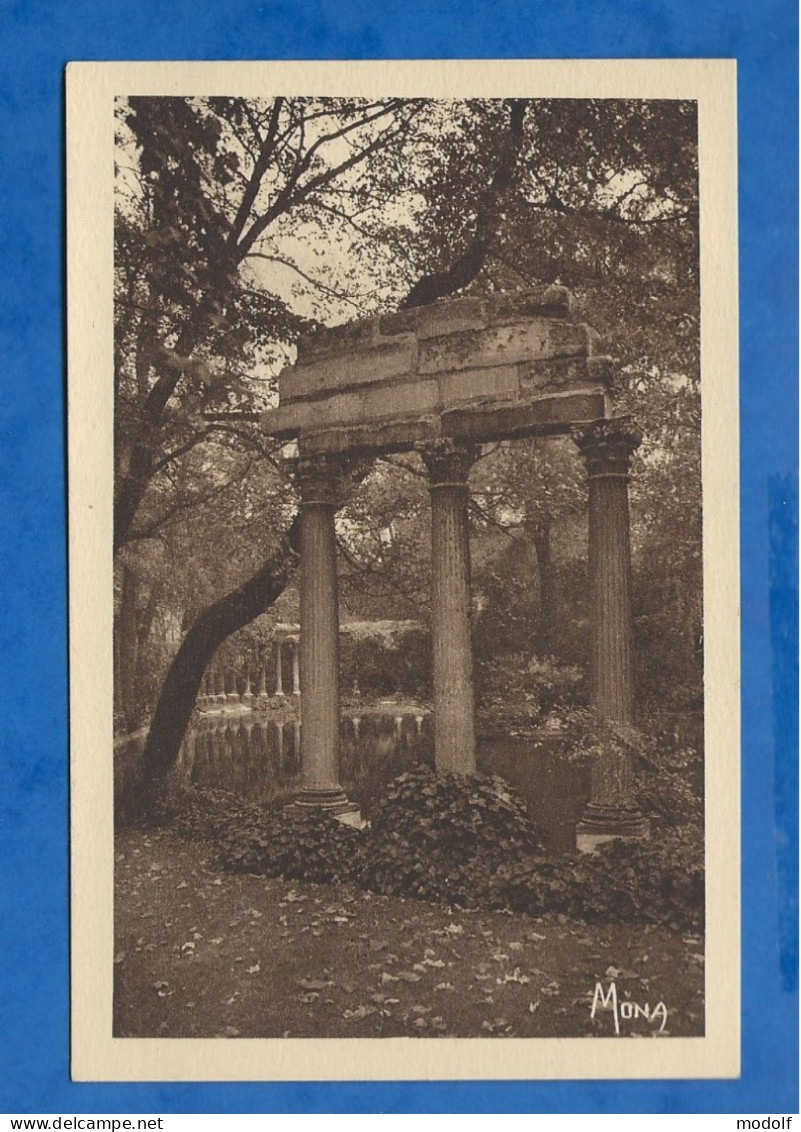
{"type": "Point", "coordinates": [541, 537]}
{"type": "Point", "coordinates": [128, 651]}
{"type": "Point", "coordinates": [182, 683]}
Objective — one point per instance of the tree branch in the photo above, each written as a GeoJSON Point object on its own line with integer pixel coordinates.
{"type": "Point", "coordinates": [466, 267]}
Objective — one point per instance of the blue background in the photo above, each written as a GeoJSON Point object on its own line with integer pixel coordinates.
{"type": "Point", "coordinates": [37, 38]}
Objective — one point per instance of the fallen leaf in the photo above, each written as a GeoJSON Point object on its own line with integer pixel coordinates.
{"type": "Point", "coordinates": [359, 1012]}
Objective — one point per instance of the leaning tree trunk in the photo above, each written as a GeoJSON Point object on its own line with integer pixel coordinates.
{"type": "Point", "coordinates": [128, 651]}
{"type": "Point", "coordinates": [541, 537]}
{"type": "Point", "coordinates": [180, 688]}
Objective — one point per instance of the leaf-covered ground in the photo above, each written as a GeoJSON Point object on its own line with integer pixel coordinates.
{"type": "Point", "coordinates": [204, 953]}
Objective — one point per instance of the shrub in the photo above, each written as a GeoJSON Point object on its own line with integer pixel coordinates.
{"type": "Point", "coordinates": [311, 847]}
{"type": "Point", "coordinates": [442, 838]}
{"type": "Point", "coordinates": [396, 661]}
{"type": "Point", "coordinates": [202, 814]}
{"type": "Point", "coordinates": [658, 880]}
{"type": "Point", "coordinates": [459, 839]}
{"type": "Point", "coordinates": [667, 778]}
{"type": "Point", "coordinates": [517, 689]}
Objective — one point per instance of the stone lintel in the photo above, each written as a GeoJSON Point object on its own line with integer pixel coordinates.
{"type": "Point", "coordinates": [374, 438]}
{"type": "Point", "coordinates": [545, 416]}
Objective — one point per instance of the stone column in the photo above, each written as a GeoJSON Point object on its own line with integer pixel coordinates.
{"type": "Point", "coordinates": [607, 447]}
{"type": "Point", "coordinates": [319, 481]}
{"type": "Point", "coordinates": [279, 742]}
{"type": "Point", "coordinates": [279, 675]}
{"type": "Point", "coordinates": [296, 668]}
{"type": "Point", "coordinates": [448, 466]}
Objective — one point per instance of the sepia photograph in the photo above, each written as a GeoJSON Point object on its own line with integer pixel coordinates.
{"type": "Point", "coordinates": [419, 709]}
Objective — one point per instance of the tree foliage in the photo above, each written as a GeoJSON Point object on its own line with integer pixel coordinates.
{"type": "Point", "coordinates": [240, 223]}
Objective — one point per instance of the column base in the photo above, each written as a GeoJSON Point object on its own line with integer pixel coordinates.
{"type": "Point", "coordinates": [606, 823]}
{"type": "Point", "coordinates": [334, 802]}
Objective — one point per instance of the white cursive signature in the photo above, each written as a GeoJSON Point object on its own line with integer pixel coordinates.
{"type": "Point", "coordinates": [625, 1009]}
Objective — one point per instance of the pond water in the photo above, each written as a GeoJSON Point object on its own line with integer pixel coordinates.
{"type": "Point", "coordinates": [258, 757]}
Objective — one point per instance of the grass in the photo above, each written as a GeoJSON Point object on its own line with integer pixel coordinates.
{"type": "Point", "coordinates": [204, 953]}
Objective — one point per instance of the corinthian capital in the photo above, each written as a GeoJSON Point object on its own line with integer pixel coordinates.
{"type": "Point", "coordinates": [448, 461]}
{"type": "Point", "coordinates": [327, 479]}
{"type": "Point", "coordinates": [321, 479]}
{"type": "Point", "coordinates": [608, 445]}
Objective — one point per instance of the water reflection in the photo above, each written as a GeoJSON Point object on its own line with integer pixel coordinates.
{"type": "Point", "coordinates": [259, 758]}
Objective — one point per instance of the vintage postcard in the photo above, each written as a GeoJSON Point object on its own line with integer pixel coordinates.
{"type": "Point", "coordinates": [404, 556]}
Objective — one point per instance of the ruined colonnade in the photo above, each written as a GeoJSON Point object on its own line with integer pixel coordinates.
{"type": "Point", "coordinates": [607, 446]}
{"type": "Point", "coordinates": [441, 381]}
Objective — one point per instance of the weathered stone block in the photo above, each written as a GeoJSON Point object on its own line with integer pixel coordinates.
{"type": "Point", "coordinates": [399, 322]}
{"type": "Point", "coordinates": [409, 398]}
{"type": "Point", "coordinates": [450, 317]}
{"type": "Point", "coordinates": [554, 371]}
{"type": "Point", "coordinates": [512, 306]}
{"type": "Point", "coordinates": [375, 437]}
{"type": "Point", "coordinates": [339, 407]}
{"type": "Point", "coordinates": [287, 420]}
{"type": "Point", "coordinates": [595, 341]}
{"type": "Point", "coordinates": [355, 368]}
{"type": "Point", "coordinates": [336, 339]}
{"type": "Point", "coordinates": [502, 345]}
{"type": "Point", "coordinates": [497, 383]}
{"type": "Point", "coordinates": [602, 370]}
